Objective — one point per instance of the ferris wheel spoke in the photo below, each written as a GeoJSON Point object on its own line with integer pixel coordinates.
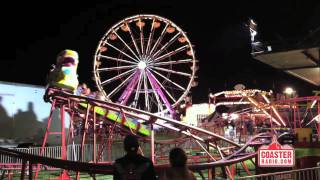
{"type": "Point", "coordinates": [123, 99]}
{"type": "Point", "coordinates": [122, 52]}
{"type": "Point", "coordinates": [116, 68]}
{"type": "Point", "coordinates": [115, 90]}
{"type": "Point", "coordinates": [146, 96]}
{"type": "Point", "coordinates": [172, 71]}
{"type": "Point", "coordinates": [159, 84]}
{"type": "Point", "coordinates": [171, 53]}
{"type": "Point", "coordinates": [158, 100]}
{"type": "Point", "coordinates": [135, 55]}
{"type": "Point", "coordinates": [141, 36]}
{"type": "Point", "coordinates": [164, 77]}
{"type": "Point", "coordinates": [133, 40]}
{"type": "Point", "coordinates": [156, 95]}
{"type": "Point", "coordinates": [136, 96]}
{"type": "Point", "coordinates": [166, 45]}
{"type": "Point", "coordinates": [150, 36]}
{"type": "Point", "coordinates": [172, 62]}
{"type": "Point", "coordinates": [159, 39]}
{"type": "Point", "coordinates": [116, 59]}
{"type": "Point", "coordinates": [117, 77]}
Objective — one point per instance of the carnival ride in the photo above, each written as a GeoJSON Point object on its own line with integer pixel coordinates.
{"type": "Point", "coordinates": [146, 62]}
{"type": "Point", "coordinates": [263, 110]}
{"type": "Point", "coordinates": [227, 150]}
{"type": "Point", "coordinates": [145, 66]}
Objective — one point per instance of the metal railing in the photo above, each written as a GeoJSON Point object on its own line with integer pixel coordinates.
{"type": "Point", "coordinates": [55, 152]}
{"type": "Point", "coordinates": [73, 152]}
{"type": "Point", "coordinates": [30, 163]}
{"type": "Point", "coordinates": [298, 174]}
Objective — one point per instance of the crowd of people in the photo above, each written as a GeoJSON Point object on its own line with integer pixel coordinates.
{"type": "Point", "coordinates": [134, 166]}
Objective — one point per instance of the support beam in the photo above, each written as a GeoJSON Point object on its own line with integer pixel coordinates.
{"type": "Point", "coordinates": [297, 68]}
{"type": "Point", "coordinates": [311, 57]}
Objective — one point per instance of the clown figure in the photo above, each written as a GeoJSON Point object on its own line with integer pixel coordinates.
{"type": "Point", "coordinates": [64, 74]}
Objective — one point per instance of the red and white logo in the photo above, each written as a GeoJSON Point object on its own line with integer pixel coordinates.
{"type": "Point", "coordinates": [276, 155]}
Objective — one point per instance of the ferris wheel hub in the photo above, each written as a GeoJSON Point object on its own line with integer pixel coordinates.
{"type": "Point", "coordinates": [142, 65]}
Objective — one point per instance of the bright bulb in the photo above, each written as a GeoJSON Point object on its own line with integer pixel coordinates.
{"type": "Point", "coordinates": [252, 22]}
{"type": "Point", "coordinates": [289, 91]}
{"type": "Point", "coordinates": [183, 106]}
{"type": "Point", "coordinates": [234, 116]}
{"type": "Point", "coordinates": [142, 65]}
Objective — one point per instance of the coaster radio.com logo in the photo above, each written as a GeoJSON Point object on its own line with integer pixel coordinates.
{"type": "Point", "coordinates": [276, 155]}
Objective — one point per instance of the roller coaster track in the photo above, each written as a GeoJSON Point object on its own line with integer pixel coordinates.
{"type": "Point", "coordinates": [78, 104]}
{"type": "Point", "coordinates": [65, 98]}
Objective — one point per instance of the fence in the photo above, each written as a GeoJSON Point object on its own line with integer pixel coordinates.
{"type": "Point", "coordinates": [73, 153]}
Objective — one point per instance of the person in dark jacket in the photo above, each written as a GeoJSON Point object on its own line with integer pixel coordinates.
{"type": "Point", "coordinates": [133, 166]}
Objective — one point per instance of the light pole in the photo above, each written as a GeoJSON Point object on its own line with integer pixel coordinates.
{"type": "Point", "coordinates": [290, 92]}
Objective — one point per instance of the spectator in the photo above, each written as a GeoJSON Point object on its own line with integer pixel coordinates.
{"type": "Point", "coordinates": [179, 169]}
{"type": "Point", "coordinates": [133, 165]}
{"type": "Point", "coordinates": [249, 127]}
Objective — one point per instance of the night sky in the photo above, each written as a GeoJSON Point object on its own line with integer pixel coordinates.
{"type": "Point", "coordinates": [32, 34]}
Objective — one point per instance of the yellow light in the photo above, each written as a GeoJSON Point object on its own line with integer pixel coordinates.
{"type": "Point", "coordinates": [289, 91]}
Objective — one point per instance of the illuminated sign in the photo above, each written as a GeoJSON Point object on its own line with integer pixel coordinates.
{"type": "Point", "coordinates": [276, 155]}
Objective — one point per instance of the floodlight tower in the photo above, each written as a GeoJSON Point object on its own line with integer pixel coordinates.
{"type": "Point", "coordinates": [256, 46]}
{"type": "Point", "coordinates": [253, 29]}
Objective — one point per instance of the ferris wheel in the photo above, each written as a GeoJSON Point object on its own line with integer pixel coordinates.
{"type": "Point", "coordinates": [146, 62]}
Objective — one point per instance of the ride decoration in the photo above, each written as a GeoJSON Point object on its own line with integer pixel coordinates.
{"type": "Point", "coordinates": [64, 73]}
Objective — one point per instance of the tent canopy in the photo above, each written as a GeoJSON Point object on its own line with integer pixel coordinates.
{"type": "Point", "coordinates": [302, 63]}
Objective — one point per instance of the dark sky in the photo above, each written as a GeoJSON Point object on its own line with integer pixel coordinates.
{"type": "Point", "coordinates": [32, 34]}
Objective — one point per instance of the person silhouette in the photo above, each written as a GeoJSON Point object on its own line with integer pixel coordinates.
{"type": "Point", "coordinates": [4, 117]}
{"type": "Point", "coordinates": [133, 166]}
{"type": "Point", "coordinates": [179, 169]}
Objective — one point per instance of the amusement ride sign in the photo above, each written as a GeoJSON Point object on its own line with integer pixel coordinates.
{"type": "Point", "coordinates": [276, 155]}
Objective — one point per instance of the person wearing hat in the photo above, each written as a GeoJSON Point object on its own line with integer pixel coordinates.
{"type": "Point", "coordinates": [133, 165]}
